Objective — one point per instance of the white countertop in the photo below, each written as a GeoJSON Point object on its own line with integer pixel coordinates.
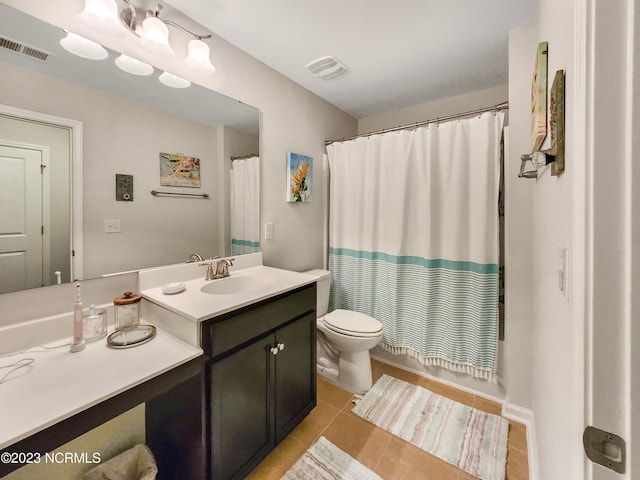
{"type": "Point", "coordinates": [198, 306]}
{"type": "Point", "coordinates": [60, 384]}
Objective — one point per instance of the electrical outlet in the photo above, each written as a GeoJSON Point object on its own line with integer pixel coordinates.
{"type": "Point", "coordinates": [112, 226]}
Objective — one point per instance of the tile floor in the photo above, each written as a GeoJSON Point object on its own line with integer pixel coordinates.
{"type": "Point", "coordinates": [387, 455]}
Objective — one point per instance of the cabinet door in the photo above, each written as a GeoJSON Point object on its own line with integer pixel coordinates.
{"type": "Point", "coordinates": [295, 376]}
{"type": "Point", "coordinates": [241, 424]}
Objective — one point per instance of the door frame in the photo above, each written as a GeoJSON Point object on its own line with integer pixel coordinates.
{"type": "Point", "coordinates": [607, 236]}
{"type": "Point", "coordinates": [76, 213]}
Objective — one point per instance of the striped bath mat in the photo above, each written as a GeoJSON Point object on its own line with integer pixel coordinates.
{"type": "Point", "coordinates": [325, 461]}
{"type": "Point", "coordinates": [470, 439]}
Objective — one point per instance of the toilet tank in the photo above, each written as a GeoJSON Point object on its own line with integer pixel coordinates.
{"type": "Point", "coordinates": [324, 285]}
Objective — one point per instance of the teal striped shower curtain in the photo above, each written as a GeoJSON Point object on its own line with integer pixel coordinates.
{"type": "Point", "coordinates": [413, 239]}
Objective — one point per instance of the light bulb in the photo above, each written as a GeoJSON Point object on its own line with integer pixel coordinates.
{"type": "Point", "coordinates": [198, 57]}
{"type": "Point", "coordinates": [155, 38]}
{"type": "Point", "coordinates": [101, 16]}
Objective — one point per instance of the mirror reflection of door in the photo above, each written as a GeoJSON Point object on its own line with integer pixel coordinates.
{"type": "Point", "coordinates": [35, 236]}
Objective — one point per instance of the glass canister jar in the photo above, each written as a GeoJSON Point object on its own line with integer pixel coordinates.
{"type": "Point", "coordinates": [94, 324]}
{"type": "Point", "coordinates": [127, 310]}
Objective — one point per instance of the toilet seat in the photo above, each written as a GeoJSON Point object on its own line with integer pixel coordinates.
{"type": "Point", "coordinates": [351, 323]}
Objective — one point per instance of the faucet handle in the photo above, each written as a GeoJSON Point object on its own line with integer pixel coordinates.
{"type": "Point", "coordinates": [194, 257]}
{"type": "Point", "coordinates": [210, 275]}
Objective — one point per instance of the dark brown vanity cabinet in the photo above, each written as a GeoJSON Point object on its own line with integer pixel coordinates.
{"type": "Point", "coordinates": [261, 378]}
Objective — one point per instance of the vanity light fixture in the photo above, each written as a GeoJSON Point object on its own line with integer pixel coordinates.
{"type": "Point", "coordinates": [83, 47]}
{"type": "Point", "coordinates": [104, 17]}
{"type": "Point", "coordinates": [133, 66]}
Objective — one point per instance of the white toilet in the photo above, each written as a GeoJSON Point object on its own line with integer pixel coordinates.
{"type": "Point", "coordinates": [344, 341]}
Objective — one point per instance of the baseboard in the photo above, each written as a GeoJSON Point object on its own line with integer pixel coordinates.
{"type": "Point", "coordinates": [525, 416]}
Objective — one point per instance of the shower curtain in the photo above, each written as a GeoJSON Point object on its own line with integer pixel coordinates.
{"type": "Point", "coordinates": [245, 206]}
{"type": "Point", "coordinates": [413, 239]}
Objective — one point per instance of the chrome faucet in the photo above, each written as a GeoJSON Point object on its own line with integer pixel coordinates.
{"type": "Point", "coordinates": [222, 269]}
{"type": "Point", "coordinates": [194, 257]}
{"type": "Point", "coordinates": [209, 264]}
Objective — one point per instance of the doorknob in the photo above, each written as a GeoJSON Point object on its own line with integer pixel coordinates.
{"type": "Point", "coordinates": [281, 346]}
{"type": "Point", "coordinates": [274, 350]}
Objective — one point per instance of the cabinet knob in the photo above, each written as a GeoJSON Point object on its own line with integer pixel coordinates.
{"type": "Point", "coordinates": [281, 346]}
{"type": "Point", "coordinates": [274, 350]}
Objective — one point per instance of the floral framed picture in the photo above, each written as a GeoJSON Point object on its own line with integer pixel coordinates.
{"type": "Point", "coordinates": [299, 177]}
{"type": "Point", "coordinates": [177, 170]}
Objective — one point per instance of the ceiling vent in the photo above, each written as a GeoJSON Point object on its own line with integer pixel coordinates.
{"type": "Point", "coordinates": [326, 67]}
{"type": "Point", "coordinates": [22, 49]}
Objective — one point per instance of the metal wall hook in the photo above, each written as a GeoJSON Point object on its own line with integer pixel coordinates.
{"type": "Point", "coordinates": [538, 159]}
{"type": "Point", "coordinates": [528, 173]}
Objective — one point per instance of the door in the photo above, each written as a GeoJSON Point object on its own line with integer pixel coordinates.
{"type": "Point", "coordinates": [295, 376]}
{"type": "Point", "coordinates": [241, 427]}
{"type": "Point", "coordinates": [21, 218]}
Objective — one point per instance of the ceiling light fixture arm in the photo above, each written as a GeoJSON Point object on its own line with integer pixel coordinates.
{"type": "Point", "coordinates": [132, 16]}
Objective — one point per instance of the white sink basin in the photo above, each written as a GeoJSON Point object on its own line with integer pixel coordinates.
{"type": "Point", "coordinates": [236, 284]}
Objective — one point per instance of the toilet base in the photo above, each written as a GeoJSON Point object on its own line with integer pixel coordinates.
{"type": "Point", "coordinates": [353, 372]}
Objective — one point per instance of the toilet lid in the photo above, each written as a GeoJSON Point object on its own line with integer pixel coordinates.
{"type": "Point", "coordinates": [349, 322]}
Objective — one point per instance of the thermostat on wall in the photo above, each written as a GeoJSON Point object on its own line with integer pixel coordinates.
{"type": "Point", "coordinates": [124, 188]}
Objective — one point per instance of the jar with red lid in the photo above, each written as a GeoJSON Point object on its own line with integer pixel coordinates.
{"type": "Point", "coordinates": [127, 310]}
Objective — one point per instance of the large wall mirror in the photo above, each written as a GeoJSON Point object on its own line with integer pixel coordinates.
{"type": "Point", "coordinates": [75, 133]}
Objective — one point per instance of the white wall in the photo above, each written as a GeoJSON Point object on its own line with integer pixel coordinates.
{"type": "Point", "coordinates": [518, 228]}
{"type": "Point", "coordinates": [432, 110]}
{"type": "Point", "coordinates": [550, 213]}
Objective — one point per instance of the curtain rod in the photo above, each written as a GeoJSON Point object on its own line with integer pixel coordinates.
{"type": "Point", "coordinates": [496, 108]}
{"type": "Point", "coordinates": [244, 157]}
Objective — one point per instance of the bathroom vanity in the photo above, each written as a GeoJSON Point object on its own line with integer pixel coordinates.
{"type": "Point", "coordinates": [258, 334]}
{"type": "Point", "coordinates": [229, 375]}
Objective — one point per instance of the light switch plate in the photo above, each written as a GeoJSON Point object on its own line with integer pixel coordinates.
{"type": "Point", "coordinates": [268, 231]}
{"type": "Point", "coordinates": [112, 226]}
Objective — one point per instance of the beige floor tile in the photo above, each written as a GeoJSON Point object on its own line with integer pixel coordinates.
{"type": "Point", "coordinates": [518, 436]}
{"type": "Point", "coordinates": [362, 440]}
{"type": "Point", "coordinates": [315, 423]}
{"type": "Point", "coordinates": [404, 461]}
{"type": "Point", "coordinates": [487, 406]}
{"type": "Point", "coordinates": [279, 461]}
{"type": "Point", "coordinates": [334, 396]}
{"type": "Point", "coordinates": [395, 372]}
{"type": "Point", "coordinates": [447, 391]}
{"type": "Point", "coordinates": [517, 465]}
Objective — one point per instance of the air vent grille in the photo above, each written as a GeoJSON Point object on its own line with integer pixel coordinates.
{"type": "Point", "coordinates": [24, 50]}
{"type": "Point", "coordinates": [326, 67]}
